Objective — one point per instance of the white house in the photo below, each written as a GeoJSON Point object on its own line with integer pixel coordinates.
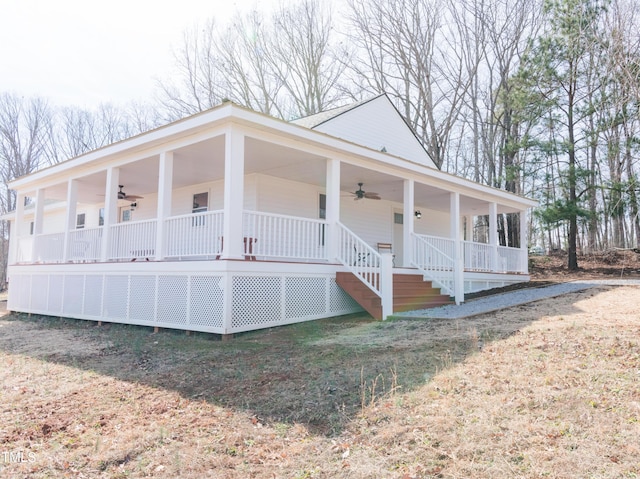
{"type": "Point", "coordinates": [231, 220]}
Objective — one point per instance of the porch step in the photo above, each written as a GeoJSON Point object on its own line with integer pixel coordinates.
{"type": "Point", "coordinates": [410, 292]}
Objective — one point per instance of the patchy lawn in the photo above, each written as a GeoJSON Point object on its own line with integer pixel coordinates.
{"type": "Point", "coordinates": [550, 389]}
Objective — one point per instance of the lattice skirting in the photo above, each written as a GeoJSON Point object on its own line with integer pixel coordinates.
{"type": "Point", "coordinates": [221, 303]}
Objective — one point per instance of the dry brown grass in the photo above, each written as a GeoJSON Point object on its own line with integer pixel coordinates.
{"type": "Point", "coordinates": [550, 389]}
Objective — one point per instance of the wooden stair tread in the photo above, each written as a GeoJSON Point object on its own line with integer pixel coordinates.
{"type": "Point", "coordinates": [410, 292]}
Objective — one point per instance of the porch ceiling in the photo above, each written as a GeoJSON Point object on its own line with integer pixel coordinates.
{"type": "Point", "coordinates": [203, 162]}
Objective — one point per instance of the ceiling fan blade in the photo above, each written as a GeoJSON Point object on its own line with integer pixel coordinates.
{"type": "Point", "coordinates": [372, 196]}
{"type": "Point", "coordinates": [133, 197]}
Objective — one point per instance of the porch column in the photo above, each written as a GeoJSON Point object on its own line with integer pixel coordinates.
{"type": "Point", "coordinates": [232, 247]}
{"type": "Point", "coordinates": [524, 241]}
{"type": "Point", "coordinates": [37, 221]}
{"type": "Point", "coordinates": [70, 224]}
{"type": "Point", "coordinates": [15, 231]}
{"type": "Point", "coordinates": [408, 225]}
{"type": "Point", "coordinates": [165, 185]}
{"type": "Point", "coordinates": [493, 235]}
{"type": "Point", "coordinates": [458, 258]}
{"type": "Point", "coordinates": [110, 209]}
{"type": "Point", "coordinates": [333, 207]}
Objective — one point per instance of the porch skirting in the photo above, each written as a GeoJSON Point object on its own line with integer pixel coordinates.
{"type": "Point", "coordinates": [222, 297]}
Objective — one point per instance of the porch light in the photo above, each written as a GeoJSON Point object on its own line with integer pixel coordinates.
{"type": "Point", "coordinates": [133, 206]}
{"type": "Point", "coordinates": [418, 214]}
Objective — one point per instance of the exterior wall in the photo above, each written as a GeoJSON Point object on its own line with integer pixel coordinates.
{"type": "Point", "coordinates": [363, 126]}
{"type": "Point", "coordinates": [220, 297]}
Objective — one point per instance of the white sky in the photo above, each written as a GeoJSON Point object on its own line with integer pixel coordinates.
{"type": "Point", "coordinates": [84, 52]}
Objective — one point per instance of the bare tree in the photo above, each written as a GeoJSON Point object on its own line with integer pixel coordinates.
{"type": "Point", "coordinates": [283, 65]}
{"type": "Point", "coordinates": [23, 136]}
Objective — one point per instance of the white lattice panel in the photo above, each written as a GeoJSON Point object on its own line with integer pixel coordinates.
{"type": "Point", "coordinates": [40, 285]}
{"type": "Point", "coordinates": [207, 301]}
{"type": "Point", "coordinates": [116, 297]}
{"type": "Point", "coordinates": [341, 302]}
{"type": "Point", "coordinates": [56, 294]}
{"type": "Point", "coordinates": [142, 298]}
{"type": "Point", "coordinates": [172, 299]}
{"type": "Point", "coordinates": [16, 286]}
{"type": "Point", "coordinates": [73, 295]}
{"type": "Point", "coordinates": [93, 285]}
{"type": "Point", "coordinates": [25, 292]}
{"type": "Point", "coordinates": [305, 297]}
{"type": "Point", "coordinates": [256, 301]}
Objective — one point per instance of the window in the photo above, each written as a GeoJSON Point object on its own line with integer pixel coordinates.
{"type": "Point", "coordinates": [80, 221]}
{"type": "Point", "coordinates": [200, 205]}
{"type": "Point", "coordinates": [322, 207]}
{"type": "Point", "coordinates": [101, 217]}
{"type": "Point", "coordinates": [398, 218]}
{"type": "Point", "coordinates": [126, 214]}
{"type": "Point", "coordinates": [31, 228]}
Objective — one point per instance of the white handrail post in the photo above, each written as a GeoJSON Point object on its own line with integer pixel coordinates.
{"type": "Point", "coordinates": [386, 284]}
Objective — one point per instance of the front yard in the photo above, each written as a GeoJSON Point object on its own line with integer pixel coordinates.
{"type": "Point", "coordinates": [549, 389]}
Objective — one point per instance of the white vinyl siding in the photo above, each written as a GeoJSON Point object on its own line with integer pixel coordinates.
{"type": "Point", "coordinates": [377, 125]}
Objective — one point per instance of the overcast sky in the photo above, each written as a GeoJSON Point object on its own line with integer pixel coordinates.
{"type": "Point", "coordinates": [84, 52]}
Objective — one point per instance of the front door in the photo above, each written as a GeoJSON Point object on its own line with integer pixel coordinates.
{"type": "Point", "coordinates": [398, 236]}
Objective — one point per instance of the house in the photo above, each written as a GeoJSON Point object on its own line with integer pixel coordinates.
{"type": "Point", "coordinates": [230, 220]}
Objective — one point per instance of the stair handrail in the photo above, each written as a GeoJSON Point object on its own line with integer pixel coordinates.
{"type": "Point", "coordinates": [440, 266]}
{"type": "Point", "coordinates": [359, 258]}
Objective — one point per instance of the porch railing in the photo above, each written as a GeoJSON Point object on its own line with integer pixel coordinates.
{"type": "Point", "coordinates": [434, 257]}
{"type": "Point", "coordinates": [49, 247]}
{"type": "Point", "coordinates": [512, 260]}
{"type": "Point", "coordinates": [360, 258]}
{"type": "Point", "coordinates": [85, 244]}
{"type": "Point", "coordinates": [132, 240]}
{"type": "Point", "coordinates": [196, 234]}
{"type": "Point", "coordinates": [286, 237]}
{"type": "Point", "coordinates": [24, 250]}
{"type": "Point", "coordinates": [477, 256]}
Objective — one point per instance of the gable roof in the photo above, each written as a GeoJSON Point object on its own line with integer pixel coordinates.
{"type": "Point", "coordinates": [317, 119]}
{"type": "Point", "coordinates": [374, 123]}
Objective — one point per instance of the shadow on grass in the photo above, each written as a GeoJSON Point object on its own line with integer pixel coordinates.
{"type": "Point", "coordinates": [319, 373]}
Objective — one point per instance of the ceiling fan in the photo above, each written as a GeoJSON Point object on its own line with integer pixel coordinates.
{"type": "Point", "coordinates": [123, 196]}
{"type": "Point", "coordinates": [360, 194]}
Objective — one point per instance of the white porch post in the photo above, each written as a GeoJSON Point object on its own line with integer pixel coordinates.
{"type": "Point", "coordinates": [458, 258]}
{"type": "Point", "coordinates": [386, 284]}
{"type": "Point", "coordinates": [37, 222]}
{"type": "Point", "coordinates": [15, 231]}
{"type": "Point", "coordinates": [72, 207]}
{"type": "Point", "coordinates": [110, 209]}
{"type": "Point", "coordinates": [165, 185]}
{"type": "Point", "coordinates": [233, 194]}
{"type": "Point", "coordinates": [493, 235]}
{"type": "Point", "coordinates": [524, 236]}
{"type": "Point", "coordinates": [333, 207]}
{"type": "Point", "coordinates": [408, 225]}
